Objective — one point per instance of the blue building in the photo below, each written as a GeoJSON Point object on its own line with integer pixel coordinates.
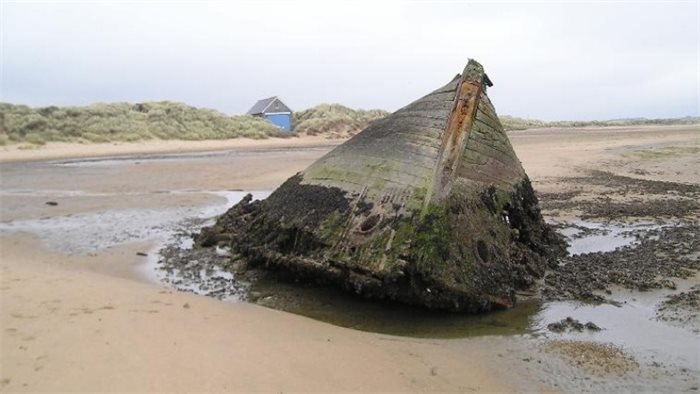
{"type": "Point", "coordinates": [274, 110]}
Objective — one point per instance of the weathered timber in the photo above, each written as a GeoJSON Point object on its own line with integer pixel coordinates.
{"type": "Point", "coordinates": [429, 206]}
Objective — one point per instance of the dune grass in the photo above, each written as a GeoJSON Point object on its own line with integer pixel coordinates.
{"type": "Point", "coordinates": [514, 123]}
{"type": "Point", "coordinates": [165, 120]}
{"type": "Point", "coordinates": [665, 152]}
{"type": "Point", "coordinates": [124, 122]}
{"type": "Point", "coordinates": [334, 120]}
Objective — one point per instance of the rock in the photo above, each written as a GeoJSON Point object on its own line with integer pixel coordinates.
{"type": "Point", "coordinates": [571, 324]}
{"type": "Point", "coordinates": [662, 253]}
{"type": "Point", "coordinates": [429, 206]}
{"type": "Point", "coordinates": [51, 203]}
{"type": "Point", "coordinates": [556, 327]}
{"type": "Point", "coordinates": [141, 254]}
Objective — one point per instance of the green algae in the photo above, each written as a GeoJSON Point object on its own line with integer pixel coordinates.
{"type": "Point", "coordinates": [451, 225]}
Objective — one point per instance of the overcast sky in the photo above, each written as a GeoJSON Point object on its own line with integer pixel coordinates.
{"type": "Point", "coordinates": [548, 60]}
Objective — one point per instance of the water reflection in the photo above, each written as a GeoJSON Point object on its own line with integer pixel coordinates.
{"type": "Point", "coordinates": [347, 310]}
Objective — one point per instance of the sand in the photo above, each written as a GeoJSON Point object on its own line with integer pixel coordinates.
{"type": "Point", "coordinates": [62, 150]}
{"type": "Point", "coordinates": [76, 321]}
{"type": "Point", "coordinates": [91, 321]}
{"type": "Point", "coordinates": [556, 152]}
{"type": "Point", "coordinates": [72, 330]}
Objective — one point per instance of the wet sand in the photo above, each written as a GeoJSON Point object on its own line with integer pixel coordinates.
{"type": "Point", "coordinates": [72, 330]}
{"type": "Point", "coordinates": [79, 316]}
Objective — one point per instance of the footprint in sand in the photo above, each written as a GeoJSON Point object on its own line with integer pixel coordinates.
{"type": "Point", "coordinates": [149, 311]}
{"type": "Point", "coordinates": [40, 362]}
{"type": "Point", "coordinates": [21, 316]}
{"type": "Point", "coordinates": [56, 280]}
{"type": "Point", "coordinates": [52, 306]}
{"type": "Point", "coordinates": [88, 311]}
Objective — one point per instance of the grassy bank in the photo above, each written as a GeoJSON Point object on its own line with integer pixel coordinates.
{"type": "Point", "coordinates": [107, 122]}
{"type": "Point", "coordinates": [515, 123]}
{"type": "Point", "coordinates": [165, 120]}
{"type": "Point", "coordinates": [334, 120]}
{"type": "Point", "coordinates": [124, 122]}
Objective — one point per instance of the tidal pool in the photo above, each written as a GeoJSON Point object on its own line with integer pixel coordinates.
{"type": "Point", "coordinates": [529, 316]}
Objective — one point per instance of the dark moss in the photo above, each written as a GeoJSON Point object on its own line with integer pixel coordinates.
{"type": "Point", "coordinates": [524, 215]}
{"type": "Point", "coordinates": [306, 205]}
{"type": "Point", "coordinates": [363, 207]}
{"type": "Point", "coordinates": [471, 253]}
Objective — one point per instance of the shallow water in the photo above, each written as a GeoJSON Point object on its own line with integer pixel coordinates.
{"type": "Point", "coordinates": [526, 317]}
{"type": "Point", "coordinates": [668, 354]}
{"type": "Point", "coordinates": [633, 325]}
{"type": "Point", "coordinates": [90, 232]}
{"type": "Point", "coordinates": [604, 237]}
{"type": "Point", "coordinates": [347, 310]}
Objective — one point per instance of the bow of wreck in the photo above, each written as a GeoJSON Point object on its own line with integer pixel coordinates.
{"type": "Point", "coordinates": [429, 206]}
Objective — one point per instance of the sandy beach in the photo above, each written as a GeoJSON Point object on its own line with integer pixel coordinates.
{"type": "Point", "coordinates": [79, 313]}
{"type": "Point", "coordinates": [66, 329]}
{"type": "Point", "coordinates": [61, 150]}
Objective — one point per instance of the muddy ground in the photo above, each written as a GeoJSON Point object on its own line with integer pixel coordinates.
{"type": "Point", "coordinates": [663, 252]}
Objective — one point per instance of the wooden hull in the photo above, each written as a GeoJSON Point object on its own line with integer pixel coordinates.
{"type": "Point", "coordinates": [429, 206]}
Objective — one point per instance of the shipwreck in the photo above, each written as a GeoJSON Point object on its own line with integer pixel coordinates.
{"type": "Point", "coordinates": [429, 206]}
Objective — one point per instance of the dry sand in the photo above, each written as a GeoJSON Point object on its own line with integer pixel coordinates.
{"type": "Point", "coordinates": [69, 324]}
{"type": "Point", "coordinates": [670, 153]}
{"type": "Point", "coordinates": [61, 150]}
{"type": "Point", "coordinates": [71, 330]}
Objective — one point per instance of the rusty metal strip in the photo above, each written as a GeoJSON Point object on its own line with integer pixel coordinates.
{"type": "Point", "coordinates": [455, 136]}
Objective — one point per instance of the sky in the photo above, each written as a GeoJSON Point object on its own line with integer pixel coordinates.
{"type": "Point", "coordinates": [550, 60]}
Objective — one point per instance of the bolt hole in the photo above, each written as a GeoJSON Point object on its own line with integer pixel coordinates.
{"type": "Point", "coordinates": [370, 223]}
{"type": "Point", "coordinates": [483, 251]}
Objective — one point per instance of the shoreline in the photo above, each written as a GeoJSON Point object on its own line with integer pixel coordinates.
{"type": "Point", "coordinates": [73, 150]}
{"type": "Point", "coordinates": [65, 150]}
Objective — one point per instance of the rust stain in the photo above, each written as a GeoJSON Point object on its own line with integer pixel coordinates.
{"type": "Point", "coordinates": [501, 303]}
{"type": "Point", "coordinates": [455, 135]}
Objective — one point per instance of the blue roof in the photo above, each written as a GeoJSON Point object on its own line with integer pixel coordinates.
{"type": "Point", "coordinates": [269, 105]}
